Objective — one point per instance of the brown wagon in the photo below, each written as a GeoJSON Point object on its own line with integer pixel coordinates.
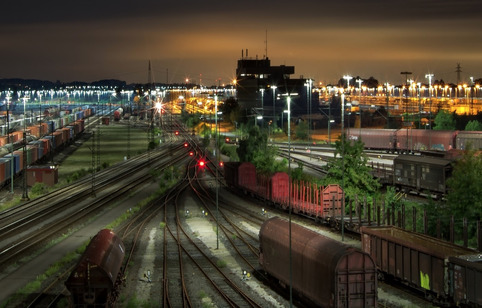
{"type": "Point", "coordinates": [325, 272]}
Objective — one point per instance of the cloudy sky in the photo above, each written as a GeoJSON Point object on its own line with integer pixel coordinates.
{"type": "Point", "coordinates": [92, 40]}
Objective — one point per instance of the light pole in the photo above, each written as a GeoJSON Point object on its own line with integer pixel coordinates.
{"type": "Point", "coordinates": [274, 100]}
{"type": "Point", "coordinates": [387, 94]}
{"type": "Point", "coordinates": [11, 148]}
{"type": "Point", "coordinates": [308, 104]}
{"type": "Point", "coordinates": [262, 101]}
{"type": "Point", "coordinates": [25, 192]}
{"type": "Point", "coordinates": [289, 198]}
{"type": "Point", "coordinates": [347, 78]}
{"type": "Point", "coordinates": [429, 76]}
{"type": "Point", "coordinates": [217, 161]}
{"type": "Point", "coordinates": [359, 101]}
{"type": "Point", "coordinates": [343, 163]}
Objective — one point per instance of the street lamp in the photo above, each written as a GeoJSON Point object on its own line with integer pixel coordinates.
{"type": "Point", "coordinates": [217, 160]}
{"type": "Point", "coordinates": [347, 78]}
{"type": "Point", "coordinates": [387, 93]}
{"type": "Point", "coordinates": [429, 76]}
{"type": "Point", "coordinates": [359, 101]}
{"type": "Point", "coordinates": [262, 101]}
{"type": "Point", "coordinates": [25, 192]}
{"type": "Point", "coordinates": [11, 148]}
{"type": "Point", "coordinates": [289, 198]}
{"type": "Point", "coordinates": [274, 100]}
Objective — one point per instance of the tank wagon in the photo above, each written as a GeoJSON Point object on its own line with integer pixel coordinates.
{"type": "Point", "coordinates": [325, 273]}
{"type": "Point", "coordinates": [95, 280]}
{"type": "Point", "coordinates": [422, 262]}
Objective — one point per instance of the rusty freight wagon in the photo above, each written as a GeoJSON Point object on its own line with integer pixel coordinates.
{"type": "Point", "coordinates": [325, 272]}
{"type": "Point", "coordinates": [466, 279]}
{"type": "Point", "coordinates": [421, 173]}
{"type": "Point", "coordinates": [417, 260]}
{"type": "Point", "coordinates": [95, 280]}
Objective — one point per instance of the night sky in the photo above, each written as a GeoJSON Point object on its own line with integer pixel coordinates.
{"type": "Point", "coordinates": [324, 40]}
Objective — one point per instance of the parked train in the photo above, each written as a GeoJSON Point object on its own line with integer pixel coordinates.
{"type": "Point", "coordinates": [416, 140]}
{"type": "Point", "coordinates": [42, 139]}
{"type": "Point", "coordinates": [308, 199]}
{"type": "Point", "coordinates": [95, 280]}
{"type": "Point", "coordinates": [448, 274]}
{"type": "Point", "coordinates": [416, 173]}
{"type": "Point", "coordinates": [325, 272]}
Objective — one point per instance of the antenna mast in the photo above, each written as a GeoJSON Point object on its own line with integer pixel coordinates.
{"type": "Point", "coordinates": [266, 45]}
{"type": "Point", "coordinates": [458, 71]}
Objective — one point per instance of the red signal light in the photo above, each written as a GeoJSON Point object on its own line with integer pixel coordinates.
{"type": "Point", "coordinates": [177, 133]}
{"type": "Point", "coordinates": [191, 153]}
{"type": "Point", "coordinates": [185, 144]}
{"type": "Point", "coordinates": [227, 139]}
{"type": "Point", "coordinates": [221, 164]}
{"type": "Point", "coordinates": [202, 163]}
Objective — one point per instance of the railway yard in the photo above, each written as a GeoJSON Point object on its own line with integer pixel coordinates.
{"type": "Point", "coordinates": [197, 244]}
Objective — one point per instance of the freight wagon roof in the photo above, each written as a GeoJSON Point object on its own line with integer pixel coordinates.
{"type": "Point", "coordinates": [417, 241]}
{"type": "Point", "coordinates": [106, 251]}
{"type": "Point", "coordinates": [473, 261]}
{"type": "Point", "coordinates": [305, 241]}
{"type": "Point", "coordinates": [423, 159]}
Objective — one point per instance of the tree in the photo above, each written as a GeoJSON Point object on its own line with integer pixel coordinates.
{"type": "Point", "coordinates": [474, 125]}
{"type": "Point", "coordinates": [464, 197]}
{"type": "Point", "coordinates": [444, 120]}
{"type": "Point", "coordinates": [352, 170]}
{"type": "Point", "coordinates": [254, 148]}
{"type": "Point", "coordinates": [301, 130]}
{"type": "Point", "coordinates": [230, 110]}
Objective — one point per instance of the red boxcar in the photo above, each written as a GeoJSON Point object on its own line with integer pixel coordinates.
{"type": "Point", "coordinates": [95, 279]}
{"type": "Point", "coordinates": [326, 272]}
{"type": "Point", "coordinates": [422, 139]}
{"type": "Point", "coordinates": [384, 139]}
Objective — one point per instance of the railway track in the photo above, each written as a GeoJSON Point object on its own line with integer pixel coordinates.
{"type": "Point", "coordinates": [26, 228]}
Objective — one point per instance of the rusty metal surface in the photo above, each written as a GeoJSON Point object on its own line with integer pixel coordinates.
{"type": "Point", "coordinates": [466, 279]}
{"type": "Point", "coordinates": [329, 273]}
{"type": "Point", "coordinates": [247, 176]}
{"type": "Point", "coordinates": [416, 259]}
{"type": "Point", "coordinates": [102, 260]}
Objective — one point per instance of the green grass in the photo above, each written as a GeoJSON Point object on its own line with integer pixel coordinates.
{"type": "Point", "coordinates": [113, 149]}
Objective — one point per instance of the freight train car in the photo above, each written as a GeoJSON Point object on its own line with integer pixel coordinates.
{"type": "Point", "coordinates": [405, 140]}
{"type": "Point", "coordinates": [308, 199]}
{"type": "Point", "coordinates": [417, 260]}
{"type": "Point", "coordinates": [466, 138]}
{"type": "Point", "coordinates": [325, 272]}
{"type": "Point", "coordinates": [466, 276]}
{"type": "Point", "coordinates": [36, 150]}
{"type": "Point", "coordinates": [95, 280]}
{"type": "Point", "coordinates": [421, 173]}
